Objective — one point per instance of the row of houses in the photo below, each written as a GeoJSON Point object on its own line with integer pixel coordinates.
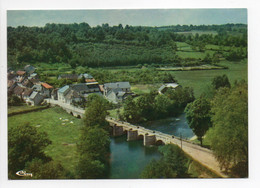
{"type": "Point", "coordinates": [114, 92]}
{"type": "Point", "coordinates": [26, 85]}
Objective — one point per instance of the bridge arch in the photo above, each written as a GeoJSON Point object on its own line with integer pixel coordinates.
{"type": "Point", "coordinates": [140, 137]}
{"type": "Point", "coordinates": [159, 142]}
{"type": "Point", "coordinates": [71, 113]}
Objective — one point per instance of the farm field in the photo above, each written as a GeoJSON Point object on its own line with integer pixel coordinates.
{"type": "Point", "coordinates": [63, 134]}
{"type": "Point", "coordinates": [199, 80]}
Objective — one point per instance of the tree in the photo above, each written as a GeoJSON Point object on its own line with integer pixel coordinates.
{"type": "Point", "coordinates": [94, 144]}
{"type": "Point", "coordinates": [14, 100]}
{"type": "Point", "coordinates": [229, 135]}
{"type": "Point", "coordinates": [82, 80]}
{"type": "Point", "coordinates": [221, 81]}
{"type": "Point", "coordinates": [96, 111]}
{"type": "Point", "coordinates": [25, 143]}
{"type": "Point", "coordinates": [181, 97]}
{"type": "Point", "coordinates": [146, 105]}
{"type": "Point", "coordinates": [168, 78]}
{"type": "Point", "coordinates": [41, 170]}
{"type": "Point", "coordinates": [162, 106]}
{"type": "Point", "coordinates": [94, 148]}
{"type": "Point", "coordinates": [198, 117]}
{"type": "Point", "coordinates": [131, 112]}
{"type": "Point", "coordinates": [173, 164]}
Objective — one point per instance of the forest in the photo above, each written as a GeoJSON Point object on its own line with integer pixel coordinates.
{"type": "Point", "coordinates": [106, 46]}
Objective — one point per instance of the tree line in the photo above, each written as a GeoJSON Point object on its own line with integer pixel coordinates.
{"type": "Point", "coordinates": [222, 119]}
{"type": "Point", "coordinates": [80, 44]}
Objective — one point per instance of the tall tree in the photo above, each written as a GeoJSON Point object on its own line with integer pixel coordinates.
{"type": "Point", "coordinates": [198, 117]}
{"type": "Point", "coordinates": [221, 81]}
{"type": "Point", "coordinates": [94, 148]}
{"type": "Point", "coordinates": [229, 134]}
{"type": "Point", "coordinates": [94, 144]}
{"type": "Point", "coordinates": [96, 111]}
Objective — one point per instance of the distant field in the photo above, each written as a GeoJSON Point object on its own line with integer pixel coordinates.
{"type": "Point", "coordinates": [199, 32]}
{"type": "Point", "coordinates": [201, 67]}
{"type": "Point", "coordinates": [200, 80]}
{"type": "Point", "coordinates": [63, 136]}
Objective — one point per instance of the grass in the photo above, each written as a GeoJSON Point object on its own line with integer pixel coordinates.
{"type": "Point", "coordinates": [200, 67]}
{"type": "Point", "coordinates": [143, 88]}
{"type": "Point", "coordinates": [114, 114]}
{"type": "Point", "coordinates": [63, 137]}
{"type": "Point", "coordinates": [200, 80]}
{"type": "Point", "coordinates": [15, 109]}
{"type": "Point", "coordinates": [195, 55]}
{"type": "Point", "coordinates": [196, 170]}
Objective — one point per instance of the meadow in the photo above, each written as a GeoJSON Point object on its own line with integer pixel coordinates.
{"type": "Point", "coordinates": [200, 80]}
{"type": "Point", "coordinates": [62, 129]}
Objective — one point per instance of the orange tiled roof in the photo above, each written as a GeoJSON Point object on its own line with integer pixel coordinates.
{"type": "Point", "coordinates": [90, 80]}
{"type": "Point", "coordinates": [47, 86]}
{"type": "Point", "coordinates": [20, 73]}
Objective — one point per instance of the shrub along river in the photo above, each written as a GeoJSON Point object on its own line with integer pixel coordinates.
{"type": "Point", "coordinates": [128, 159]}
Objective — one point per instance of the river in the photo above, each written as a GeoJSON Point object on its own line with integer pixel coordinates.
{"type": "Point", "coordinates": [128, 159]}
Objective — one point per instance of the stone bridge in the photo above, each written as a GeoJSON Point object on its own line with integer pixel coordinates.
{"type": "Point", "coordinates": [133, 132]}
{"type": "Point", "coordinates": [202, 155]}
{"type": "Point", "coordinates": [77, 112]}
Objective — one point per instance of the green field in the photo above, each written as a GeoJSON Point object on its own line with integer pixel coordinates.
{"type": "Point", "coordinates": [199, 32]}
{"type": "Point", "coordinates": [63, 134]}
{"type": "Point", "coordinates": [199, 80]}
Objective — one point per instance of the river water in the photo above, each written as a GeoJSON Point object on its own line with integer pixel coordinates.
{"type": "Point", "coordinates": [128, 159]}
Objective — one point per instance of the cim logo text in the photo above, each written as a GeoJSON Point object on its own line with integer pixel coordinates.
{"type": "Point", "coordinates": [23, 173]}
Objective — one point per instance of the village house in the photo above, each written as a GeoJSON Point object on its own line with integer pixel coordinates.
{"type": "Point", "coordinates": [21, 75]}
{"type": "Point", "coordinates": [76, 92]}
{"type": "Point", "coordinates": [29, 69]}
{"type": "Point", "coordinates": [167, 86]}
{"type": "Point", "coordinates": [26, 94]}
{"type": "Point", "coordinates": [46, 90]}
{"type": "Point", "coordinates": [18, 91]}
{"type": "Point", "coordinates": [27, 83]}
{"type": "Point", "coordinates": [54, 94]}
{"type": "Point", "coordinates": [35, 98]}
{"type": "Point", "coordinates": [37, 87]}
{"type": "Point", "coordinates": [33, 76]}
{"type": "Point", "coordinates": [117, 92]}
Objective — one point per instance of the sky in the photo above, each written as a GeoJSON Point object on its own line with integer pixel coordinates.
{"type": "Point", "coordinates": [134, 17]}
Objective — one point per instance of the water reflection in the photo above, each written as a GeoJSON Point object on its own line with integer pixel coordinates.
{"type": "Point", "coordinates": [175, 126]}
{"type": "Point", "coordinates": [128, 159]}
